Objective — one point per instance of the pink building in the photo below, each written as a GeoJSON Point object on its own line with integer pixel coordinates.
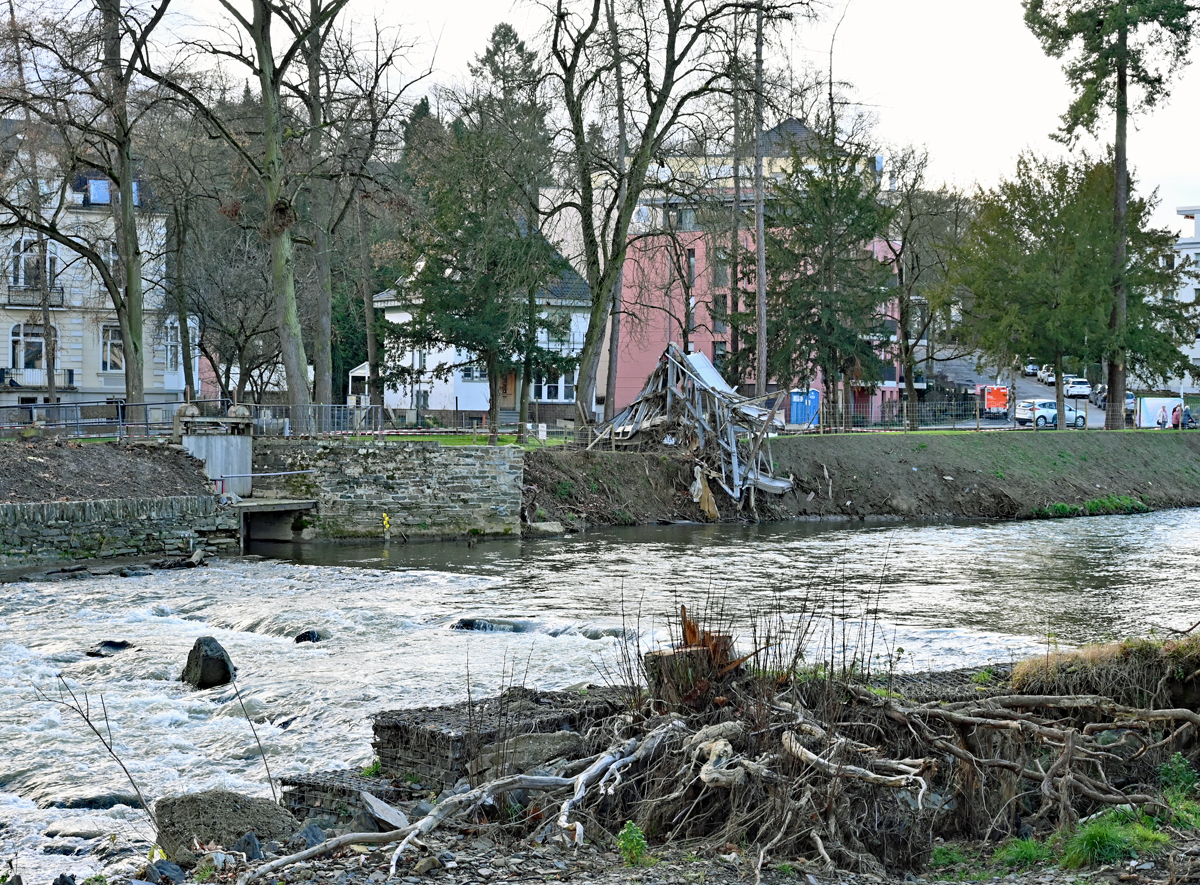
{"type": "Point", "coordinates": [676, 289]}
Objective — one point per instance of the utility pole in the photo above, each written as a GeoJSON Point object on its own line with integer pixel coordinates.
{"type": "Point", "coordinates": [760, 245]}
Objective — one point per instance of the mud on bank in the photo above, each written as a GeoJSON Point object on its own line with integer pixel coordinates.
{"type": "Point", "coordinates": [913, 476]}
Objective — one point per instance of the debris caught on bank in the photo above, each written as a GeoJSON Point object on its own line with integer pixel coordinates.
{"type": "Point", "coordinates": [794, 749]}
{"type": "Point", "coordinates": [688, 407]}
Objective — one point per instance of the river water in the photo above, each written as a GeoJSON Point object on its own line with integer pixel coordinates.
{"type": "Point", "coordinates": [948, 594]}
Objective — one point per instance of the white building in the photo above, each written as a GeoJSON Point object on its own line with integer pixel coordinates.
{"type": "Point", "coordinates": [1188, 246]}
{"type": "Point", "coordinates": [450, 387]}
{"type": "Point", "coordinates": [90, 355]}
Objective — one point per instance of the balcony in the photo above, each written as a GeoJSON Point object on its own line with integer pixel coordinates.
{"type": "Point", "coordinates": [35, 379]}
{"type": "Point", "coordinates": [31, 296]}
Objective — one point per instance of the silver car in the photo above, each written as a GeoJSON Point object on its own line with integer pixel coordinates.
{"type": "Point", "coordinates": [1045, 411]}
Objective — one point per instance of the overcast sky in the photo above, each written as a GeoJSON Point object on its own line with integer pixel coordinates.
{"type": "Point", "coordinates": [963, 77]}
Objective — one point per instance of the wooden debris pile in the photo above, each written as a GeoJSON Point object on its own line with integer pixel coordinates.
{"type": "Point", "coordinates": [686, 406]}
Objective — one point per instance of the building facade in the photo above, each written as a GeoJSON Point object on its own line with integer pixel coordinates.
{"type": "Point", "coordinates": [89, 351]}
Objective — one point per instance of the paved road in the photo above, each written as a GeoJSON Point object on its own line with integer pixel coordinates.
{"type": "Point", "coordinates": [1026, 388]}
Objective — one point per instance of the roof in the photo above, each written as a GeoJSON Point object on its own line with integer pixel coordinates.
{"type": "Point", "coordinates": [779, 141]}
{"type": "Point", "coordinates": [569, 287]}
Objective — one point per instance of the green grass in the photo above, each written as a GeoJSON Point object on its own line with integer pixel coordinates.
{"type": "Point", "coordinates": [374, 769]}
{"type": "Point", "coordinates": [1022, 853]}
{"type": "Point", "coordinates": [1107, 506]}
{"type": "Point", "coordinates": [947, 856]}
{"type": "Point", "coordinates": [1111, 838]}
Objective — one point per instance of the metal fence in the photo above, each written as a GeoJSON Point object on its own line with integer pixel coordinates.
{"type": "Point", "coordinates": [99, 418]}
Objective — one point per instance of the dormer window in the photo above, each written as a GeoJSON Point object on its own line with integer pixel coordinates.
{"type": "Point", "coordinates": [99, 191]}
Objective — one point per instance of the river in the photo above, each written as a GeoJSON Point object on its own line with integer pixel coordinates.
{"type": "Point", "coordinates": [948, 594]}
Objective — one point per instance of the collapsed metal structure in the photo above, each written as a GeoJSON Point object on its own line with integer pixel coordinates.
{"type": "Point", "coordinates": [686, 405]}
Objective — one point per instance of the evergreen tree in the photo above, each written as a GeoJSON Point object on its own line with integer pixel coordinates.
{"type": "Point", "coordinates": [1113, 45]}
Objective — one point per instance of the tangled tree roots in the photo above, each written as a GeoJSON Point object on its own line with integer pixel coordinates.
{"type": "Point", "coordinates": [810, 762]}
{"type": "Point", "coordinates": [832, 771]}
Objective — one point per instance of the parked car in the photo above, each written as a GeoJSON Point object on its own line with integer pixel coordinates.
{"type": "Point", "coordinates": [1042, 372]}
{"type": "Point", "coordinates": [1044, 412]}
{"type": "Point", "coordinates": [1048, 378]}
{"type": "Point", "coordinates": [1077, 388]}
{"type": "Point", "coordinates": [1130, 402]}
{"type": "Point", "coordinates": [1031, 369]}
{"type": "Point", "coordinates": [1097, 395]}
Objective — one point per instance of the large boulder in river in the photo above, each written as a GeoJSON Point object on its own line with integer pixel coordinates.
{"type": "Point", "coordinates": [208, 664]}
{"type": "Point", "coordinates": [219, 816]}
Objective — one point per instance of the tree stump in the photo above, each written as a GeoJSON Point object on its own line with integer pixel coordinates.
{"type": "Point", "coordinates": [679, 676]}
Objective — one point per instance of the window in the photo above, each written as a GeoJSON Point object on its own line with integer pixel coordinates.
{"type": "Point", "coordinates": [358, 385]}
{"type": "Point", "coordinates": [720, 274]}
{"type": "Point", "coordinates": [23, 271]}
{"type": "Point", "coordinates": [719, 351]}
{"type": "Point", "coordinates": [537, 387]}
{"type": "Point", "coordinates": [99, 192]}
{"type": "Point", "coordinates": [691, 268]}
{"type": "Point", "coordinates": [28, 349]}
{"type": "Point", "coordinates": [720, 312]}
{"type": "Point", "coordinates": [420, 361]}
{"type": "Point", "coordinates": [569, 385]}
{"type": "Point", "coordinates": [172, 347]}
{"type": "Point", "coordinates": [112, 349]}
{"type": "Point", "coordinates": [474, 373]}
{"type": "Point", "coordinates": [552, 386]}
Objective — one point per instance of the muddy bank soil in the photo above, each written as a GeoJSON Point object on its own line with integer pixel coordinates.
{"type": "Point", "coordinates": [916, 476]}
{"type": "Point", "coordinates": [58, 470]}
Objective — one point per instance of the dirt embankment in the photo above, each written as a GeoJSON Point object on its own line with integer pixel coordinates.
{"type": "Point", "coordinates": [926, 475]}
{"type": "Point", "coordinates": [59, 470]}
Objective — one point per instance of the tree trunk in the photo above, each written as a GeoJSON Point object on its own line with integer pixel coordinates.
{"type": "Point", "coordinates": [374, 385]}
{"type": "Point", "coordinates": [1060, 401]}
{"type": "Point", "coordinates": [129, 303]}
{"type": "Point", "coordinates": [614, 340]}
{"type": "Point", "coordinates": [527, 365]}
{"type": "Point", "coordinates": [493, 367]}
{"type": "Point", "coordinates": [179, 222]}
{"type": "Point", "coordinates": [760, 243]}
{"type": "Point", "coordinates": [735, 230]}
{"type": "Point", "coordinates": [280, 218]}
{"type": "Point", "coordinates": [322, 211]}
{"type": "Point", "coordinates": [1114, 418]}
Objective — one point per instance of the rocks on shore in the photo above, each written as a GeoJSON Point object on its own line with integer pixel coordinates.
{"type": "Point", "coordinates": [208, 665]}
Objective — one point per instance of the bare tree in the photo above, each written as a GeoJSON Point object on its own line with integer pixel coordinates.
{"type": "Point", "coordinates": [926, 226]}
{"type": "Point", "coordinates": [671, 51]}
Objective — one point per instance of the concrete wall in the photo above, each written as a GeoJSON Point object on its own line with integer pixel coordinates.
{"type": "Point", "coordinates": [224, 454]}
{"type": "Point", "coordinates": [31, 533]}
{"type": "Point", "coordinates": [427, 490]}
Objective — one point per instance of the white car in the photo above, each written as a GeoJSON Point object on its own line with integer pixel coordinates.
{"type": "Point", "coordinates": [1048, 377]}
{"type": "Point", "coordinates": [1045, 370]}
{"type": "Point", "coordinates": [1042, 412]}
{"type": "Point", "coordinates": [1077, 388]}
{"type": "Point", "coordinates": [1031, 369]}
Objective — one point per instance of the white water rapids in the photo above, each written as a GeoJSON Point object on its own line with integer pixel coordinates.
{"type": "Point", "coordinates": [950, 595]}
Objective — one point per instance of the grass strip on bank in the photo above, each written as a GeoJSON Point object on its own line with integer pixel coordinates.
{"type": "Point", "coordinates": [1111, 505]}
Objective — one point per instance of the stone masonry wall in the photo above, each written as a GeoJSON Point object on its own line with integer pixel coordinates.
{"type": "Point", "coordinates": [31, 533]}
{"type": "Point", "coordinates": [427, 490]}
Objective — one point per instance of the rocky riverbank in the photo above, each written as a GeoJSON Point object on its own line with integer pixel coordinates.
{"type": "Point", "coordinates": [887, 476]}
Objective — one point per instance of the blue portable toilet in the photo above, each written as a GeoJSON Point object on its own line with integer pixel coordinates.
{"type": "Point", "coordinates": [805, 407]}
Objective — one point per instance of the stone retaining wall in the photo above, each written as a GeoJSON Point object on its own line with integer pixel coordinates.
{"type": "Point", "coordinates": [31, 533]}
{"type": "Point", "coordinates": [427, 490]}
